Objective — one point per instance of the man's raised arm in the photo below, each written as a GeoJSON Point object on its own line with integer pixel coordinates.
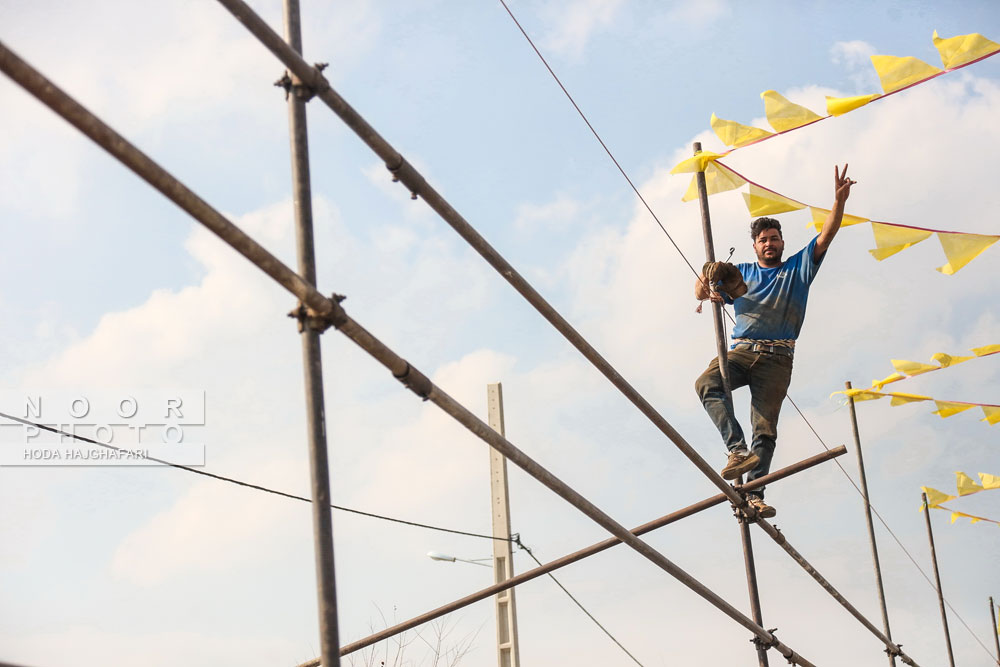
{"type": "Point", "coordinates": [842, 190]}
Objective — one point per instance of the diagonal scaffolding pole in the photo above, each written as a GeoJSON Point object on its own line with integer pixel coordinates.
{"type": "Point", "coordinates": [405, 173]}
{"type": "Point", "coordinates": [937, 580]}
{"type": "Point", "coordinates": [323, 311]}
{"type": "Point", "coordinates": [576, 556]}
{"type": "Point", "coordinates": [868, 518]}
{"type": "Point", "coordinates": [329, 310]}
{"type": "Point", "coordinates": [312, 362]}
{"type": "Point", "coordinates": [720, 344]}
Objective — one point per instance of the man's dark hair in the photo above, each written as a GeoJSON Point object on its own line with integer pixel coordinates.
{"type": "Point", "coordinates": [760, 224]}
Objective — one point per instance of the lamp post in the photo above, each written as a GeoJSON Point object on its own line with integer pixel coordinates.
{"type": "Point", "coordinates": [436, 555]}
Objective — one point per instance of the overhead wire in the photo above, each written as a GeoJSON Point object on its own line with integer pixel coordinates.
{"type": "Point", "coordinates": [256, 487]}
{"type": "Point", "coordinates": [728, 314]}
{"type": "Point", "coordinates": [578, 603]}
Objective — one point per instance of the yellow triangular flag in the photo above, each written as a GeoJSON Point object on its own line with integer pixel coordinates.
{"type": "Point", "coordinates": [954, 516]}
{"type": "Point", "coordinates": [764, 202]}
{"type": "Point", "coordinates": [899, 72]}
{"type": "Point", "coordinates": [935, 497]}
{"type": "Point", "coordinates": [784, 115]}
{"type": "Point", "coordinates": [946, 360]}
{"type": "Point", "coordinates": [697, 162]}
{"type": "Point", "coordinates": [838, 106]}
{"type": "Point", "coordinates": [717, 179]}
{"type": "Point", "coordinates": [986, 349]}
{"type": "Point", "coordinates": [956, 51]}
{"type": "Point", "coordinates": [734, 134]}
{"type": "Point", "coordinates": [990, 481]}
{"type": "Point", "coordinates": [902, 399]}
{"type": "Point", "coordinates": [974, 520]}
{"type": "Point", "coordinates": [960, 249]}
{"type": "Point", "coordinates": [912, 367]}
{"type": "Point", "coordinates": [890, 239]}
{"type": "Point", "coordinates": [895, 377]}
{"type": "Point", "coordinates": [992, 415]}
{"type": "Point", "coordinates": [965, 484]}
{"type": "Point", "coordinates": [819, 217]}
{"type": "Point", "coordinates": [949, 408]}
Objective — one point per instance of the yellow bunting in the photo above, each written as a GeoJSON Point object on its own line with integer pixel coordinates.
{"type": "Point", "coordinates": [697, 162]}
{"type": "Point", "coordinates": [954, 516]}
{"type": "Point", "coordinates": [899, 72]}
{"type": "Point", "coordinates": [838, 106]}
{"type": "Point", "coordinates": [963, 49]}
{"type": "Point", "coordinates": [966, 485]}
{"type": "Point", "coordinates": [960, 249]}
{"type": "Point", "coordinates": [903, 399]}
{"type": "Point", "coordinates": [946, 360]}
{"type": "Point", "coordinates": [992, 415]}
{"type": "Point", "coordinates": [986, 349]}
{"type": "Point", "coordinates": [949, 408]}
{"type": "Point", "coordinates": [784, 115]}
{"type": "Point", "coordinates": [890, 239]}
{"type": "Point", "coordinates": [820, 214]}
{"type": "Point", "coordinates": [734, 134]}
{"type": "Point", "coordinates": [895, 377]}
{"type": "Point", "coordinates": [935, 497]}
{"type": "Point", "coordinates": [990, 481]}
{"type": "Point", "coordinates": [912, 368]}
{"type": "Point", "coordinates": [717, 179]}
{"type": "Point", "coordinates": [764, 202]}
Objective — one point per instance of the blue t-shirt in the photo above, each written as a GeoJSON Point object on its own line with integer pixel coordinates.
{"type": "Point", "coordinates": [774, 306]}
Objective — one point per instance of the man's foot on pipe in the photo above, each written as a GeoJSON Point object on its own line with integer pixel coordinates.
{"type": "Point", "coordinates": [739, 462]}
{"type": "Point", "coordinates": [764, 510]}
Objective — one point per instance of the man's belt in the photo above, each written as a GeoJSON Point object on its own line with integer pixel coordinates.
{"type": "Point", "coordinates": [767, 349]}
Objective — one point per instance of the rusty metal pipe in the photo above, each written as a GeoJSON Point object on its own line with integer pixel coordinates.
{"type": "Point", "coordinates": [312, 362]}
{"type": "Point", "coordinates": [994, 630]}
{"type": "Point", "coordinates": [937, 581]}
{"type": "Point", "coordinates": [871, 526]}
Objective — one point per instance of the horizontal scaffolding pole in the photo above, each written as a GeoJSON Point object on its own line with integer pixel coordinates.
{"type": "Point", "coordinates": [404, 172]}
{"type": "Point", "coordinates": [325, 311]}
{"type": "Point", "coordinates": [576, 556]}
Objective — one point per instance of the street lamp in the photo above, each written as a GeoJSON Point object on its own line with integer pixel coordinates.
{"type": "Point", "coordinates": [435, 555]}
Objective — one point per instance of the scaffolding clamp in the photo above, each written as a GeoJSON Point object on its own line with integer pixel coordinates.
{"type": "Point", "coordinates": [319, 322]}
{"type": "Point", "coordinates": [415, 381]}
{"type": "Point", "coordinates": [763, 645]}
{"type": "Point", "coordinates": [302, 91]}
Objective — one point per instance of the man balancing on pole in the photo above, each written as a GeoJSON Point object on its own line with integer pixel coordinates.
{"type": "Point", "coordinates": [769, 316]}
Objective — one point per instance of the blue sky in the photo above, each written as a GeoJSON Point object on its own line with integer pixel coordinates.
{"type": "Point", "coordinates": [106, 285]}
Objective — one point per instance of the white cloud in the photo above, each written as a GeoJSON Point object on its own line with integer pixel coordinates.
{"type": "Point", "coordinates": [573, 24]}
{"type": "Point", "coordinates": [855, 56]}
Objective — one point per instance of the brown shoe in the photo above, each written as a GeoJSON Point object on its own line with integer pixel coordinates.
{"type": "Point", "coordinates": [764, 510]}
{"type": "Point", "coordinates": [738, 464]}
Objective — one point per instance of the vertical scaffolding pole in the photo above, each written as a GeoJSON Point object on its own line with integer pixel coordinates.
{"type": "Point", "coordinates": [720, 342]}
{"type": "Point", "coordinates": [871, 526]}
{"type": "Point", "coordinates": [508, 651]}
{"type": "Point", "coordinates": [326, 590]}
{"type": "Point", "coordinates": [995, 629]}
{"type": "Point", "coordinates": [937, 581]}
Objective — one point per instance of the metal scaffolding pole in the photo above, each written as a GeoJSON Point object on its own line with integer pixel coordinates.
{"type": "Point", "coordinates": [576, 556]}
{"type": "Point", "coordinates": [326, 589]}
{"type": "Point", "coordinates": [323, 311]}
{"type": "Point", "coordinates": [937, 580]}
{"type": "Point", "coordinates": [720, 345]}
{"type": "Point", "coordinates": [868, 518]}
{"type": "Point", "coordinates": [995, 629]}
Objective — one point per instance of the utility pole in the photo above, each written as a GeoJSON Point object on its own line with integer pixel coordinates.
{"type": "Point", "coordinates": [503, 556]}
{"type": "Point", "coordinates": [720, 342]}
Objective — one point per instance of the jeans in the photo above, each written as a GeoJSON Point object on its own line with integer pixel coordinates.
{"type": "Point", "coordinates": [768, 375]}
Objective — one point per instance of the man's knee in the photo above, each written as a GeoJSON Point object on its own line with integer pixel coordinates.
{"type": "Point", "coordinates": [707, 382]}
